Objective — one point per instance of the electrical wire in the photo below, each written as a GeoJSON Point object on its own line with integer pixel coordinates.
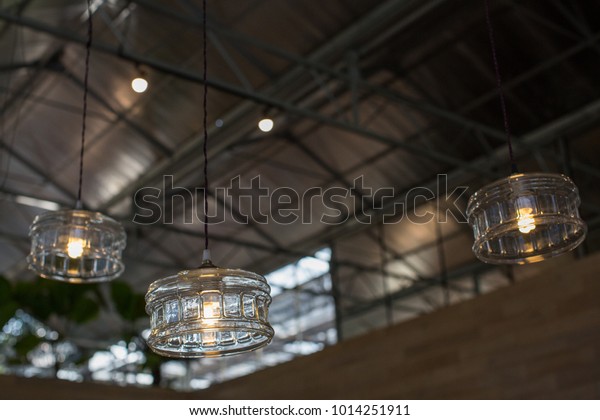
{"type": "Point", "coordinates": [442, 261]}
{"type": "Point", "coordinates": [88, 47]}
{"type": "Point", "coordinates": [205, 145]}
{"type": "Point", "coordinates": [8, 146]}
{"type": "Point", "coordinates": [513, 164]}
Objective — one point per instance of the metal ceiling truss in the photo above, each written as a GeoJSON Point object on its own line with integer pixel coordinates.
{"type": "Point", "coordinates": [268, 99]}
{"type": "Point", "coordinates": [261, 98]}
{"type": "Point", "coordinates": [320, 75]}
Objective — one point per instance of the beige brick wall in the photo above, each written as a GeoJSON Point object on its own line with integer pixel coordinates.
{"type": "Point", "coordinates": [539, 338]}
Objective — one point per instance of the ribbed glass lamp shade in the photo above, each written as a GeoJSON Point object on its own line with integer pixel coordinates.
{"type": "Point", "coordinates": [76, 246]}
{"type": "Point", "coordinates": [525, 218]}
{"type": "Point", "coordinates": [208, 312]}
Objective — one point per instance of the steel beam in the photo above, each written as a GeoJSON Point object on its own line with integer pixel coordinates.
{"type": "Point", "coordinates": [584, 116]}
{"type": "Point", "coordinates": [120, 116]}
{"type": "Point", "coordinates": [418, 287]}
{"type": "Point", "coordinates": [537, 138]}
{"type": "Point", "coordinates": [32, 167]}
{"type": "Point", "coordinates": [512, 83]}
{"type": "Point", "coordinates": [267, 99]}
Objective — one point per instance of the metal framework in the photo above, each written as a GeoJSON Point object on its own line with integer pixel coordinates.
{"type": "Point", "coordinates": [324, 89]}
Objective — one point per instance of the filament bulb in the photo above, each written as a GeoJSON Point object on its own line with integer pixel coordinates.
{"type": "Point", "coordinates": [212, 309]}
{"type": "Point", "coordinates": [75, 247]}
{"type": "Point", "coordinates": [525, 220]}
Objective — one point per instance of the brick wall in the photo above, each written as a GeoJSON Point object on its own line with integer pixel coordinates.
{"type": "Point", "coordinates": [539, 338]}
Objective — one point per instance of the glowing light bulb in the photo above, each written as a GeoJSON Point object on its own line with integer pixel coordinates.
{"type": "Point", "coordinates": [525, 220]}
{"type": "Point", "coordinates": [265, 125]}
{"type": "Point", "coordinates": [75, 247]}
{"type": "Point", "coordinates": [212, 309]}
{"type": "Point", "coordinates": [139, 84]}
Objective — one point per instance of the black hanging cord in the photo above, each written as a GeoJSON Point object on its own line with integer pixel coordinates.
{"type": "Point", "coordinates": [88, 47]}
{"type": "Point", "coordinates": [383, 248]}
{"type": "Point", "coordinates": [442, 262]}
{"type": "Point", "coordinates": [513, 164]}
{"type": "Point", "coordinates": [205, 129]}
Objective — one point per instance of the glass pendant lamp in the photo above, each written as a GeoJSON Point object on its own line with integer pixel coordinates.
{"type": "Point", "coordinates": [524, 218]}
{"type": "Point", "coordinates": [208, 311]}
{"type": "Point", "coordinates": [77, 246]}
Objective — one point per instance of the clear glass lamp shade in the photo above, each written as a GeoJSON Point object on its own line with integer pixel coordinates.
{"type": "Point", "coordinates": [208, 312]}
{"type": "Point", "coordinates": [525, 218]}
{"type": "Point", "coordinates": [76, 246]}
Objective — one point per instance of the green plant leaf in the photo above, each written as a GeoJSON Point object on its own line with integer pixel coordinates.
{"type": "Point", "coordinates": [83, 358]}
{"type": "Point", "coordinates": [123, 298]}
{"type": "Point", "coordinates": [43, 298]}
{"type": "Point", "coordinates": [14, 361]}
{"type": "Point", "coordinates": [7, 311]}
{"type": "Point", "coordinates": [26, 343]}
{"type": "Point", "coordinates": [61, 296]}
{"type": "Point", "coordinates": [100, 298]}
{"type": "Point", "coordinates": [139, 307]}
{"type": "Point", "coordinates": [31, 297]}
{"type": "Point", "coordinates": [84, 310]}
{"type": "Point", "coordinates": [153, 360]}
{"type": "Point", "coordinates": [6, 294]}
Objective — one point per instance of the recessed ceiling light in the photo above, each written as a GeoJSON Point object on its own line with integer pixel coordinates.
{"type": "Point", "coordinates": [139, 84]}
{"type": "Point", "coordinates": [265, 125]}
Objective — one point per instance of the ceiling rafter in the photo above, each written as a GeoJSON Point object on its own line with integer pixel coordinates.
{"type": "Point", "coordinates": [539, 137]}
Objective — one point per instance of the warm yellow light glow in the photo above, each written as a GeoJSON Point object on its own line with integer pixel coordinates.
{"type": "Point", "coordinates": [265, 125]}
{"type": "Point", "coordinates": [525, 221]}
{"type": "Point", "coordinates": [75, 247]}
{"type": "Point", "coordinates": [212, 309]}
{"type": "Point", "coordinates": [139, 84]}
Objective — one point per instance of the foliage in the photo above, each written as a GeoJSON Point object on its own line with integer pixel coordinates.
{"type": "Point", "coordinates": [7, 305]}
{"type": "Point", "coordinates": [129, 305]}
{"type": "Point", "coordinates": [76, 304]}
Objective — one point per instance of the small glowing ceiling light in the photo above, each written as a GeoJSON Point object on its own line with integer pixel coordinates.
{"type": "Point", "coordinates": [526, 218]}
{"type": "Point", "coordinates": [139, 84]}
{"type": "Point", "coordinates": [208, 312]}
{"type": "Point", "coordinates": [265, 125]}
{"type": "Point", "coordinates": [76, 246]}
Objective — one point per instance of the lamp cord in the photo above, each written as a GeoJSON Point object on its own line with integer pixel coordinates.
{"type": "Point", "coordinates": [513, 164]}
{"type": "Point", "coordinates": [442, 262]}
{"type": "Point", "coordinates": [205, 129]}
{"type": "Point", "coordinates": [88, 47]}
